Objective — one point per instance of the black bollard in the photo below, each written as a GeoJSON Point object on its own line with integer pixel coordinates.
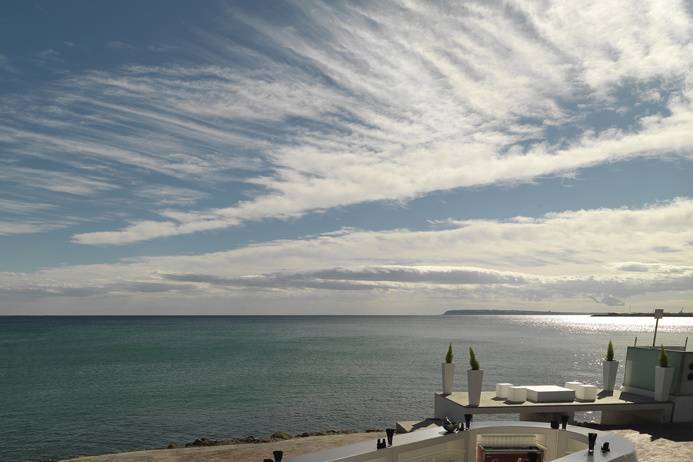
{"type": "Point", "coordinates": [605, 447]}
{"type": "Point", "coordinates": [468, 420]}
{"type": "Point", "coordinates": [592, 439]}
{"type": "Point", "coordinates": [390, 434]}
{"type": "Point", "coordinates": [554, 424]}
{"type": "Point", "coordinates": [564, 421]}
{"type": "Point", "coordinates": [278, 456]}
{"type": "Point", "coordinates": [450, 426]}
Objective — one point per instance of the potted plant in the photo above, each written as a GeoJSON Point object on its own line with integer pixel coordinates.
{"type": "Point", "coordinates": [609, 369]}
{"type": "Point", "coordinates": [475, 376]}
{"type": "Point", "coordinates": [663, 376]}
{"type": "Point", "coordinates": [448, 372]}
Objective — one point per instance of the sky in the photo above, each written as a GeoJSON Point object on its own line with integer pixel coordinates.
{"type": "Point", "coordinates": [300, 157]}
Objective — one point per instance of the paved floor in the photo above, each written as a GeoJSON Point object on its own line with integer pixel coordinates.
{"type": "Point", "coordinates": [659, 443]}
{"type": "Point", "coordinates": [655, 443]}
{"type": "Point", "coordinates": [237, 452]}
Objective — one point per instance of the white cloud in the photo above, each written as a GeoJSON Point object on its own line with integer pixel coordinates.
{"type": "Point", "coordinates": [117, 44]}
{"type": "Point", "coordinates": [48, 56]}
{"type": "Point", "coordinates": [8, 228]}
{"type": "Point", "coordinates": [169, 195]}
{"type": "Point", "coordinates": [465, 104]}
{"type": "Point", "coordinates": [615, 41]}
{"type": "Point", "coordinates": [55, 181]}
{"type": "Point", "coordinates": [570, 259]}
{"type": "Point", "coordinates": [7, 66]}
{"type": "Point", "coordinates": [364, 103]}
{"type": "Point", "coordinates": [21, 207]}
{"type": "Point", "coordinates": [22, 217]}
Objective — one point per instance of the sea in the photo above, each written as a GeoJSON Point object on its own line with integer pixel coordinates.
{"type": "Point", "coordinates": [74, 386]}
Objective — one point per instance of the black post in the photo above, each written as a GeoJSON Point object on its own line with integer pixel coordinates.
{"type": "Point", "coordinates": [564, 421]}
{"type": "Point", "coordinates": [390, 434]}
{"type": "Point", "coordinates": [468, 420]}
{"type": "Point", "coordinates": [592, 439]}
{"type": "Point", "coordinates": [554, 424]}
{"type": "Point", "coordinates": [278, 456]}
{"type": "Point", "coordinates": [449, 425]}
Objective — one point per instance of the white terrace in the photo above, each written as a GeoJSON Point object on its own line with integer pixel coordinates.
{"type": "Point", "coordinates": [435, 445]}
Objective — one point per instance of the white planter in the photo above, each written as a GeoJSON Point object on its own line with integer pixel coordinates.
{"type": "Point", "coordinates": [474, 380]}
{"type": "Point", "coordinates": [609, 371]}
{"type": "Point", "coordinates": [448, 377]}
{"type": "Point", "coordinates": [663, 377]}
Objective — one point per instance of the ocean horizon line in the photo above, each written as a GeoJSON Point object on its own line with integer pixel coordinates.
{"type": "Point", "coordinates": [274, 315]}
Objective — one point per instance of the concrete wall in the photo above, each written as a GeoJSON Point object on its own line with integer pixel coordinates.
{"type": "Point", "coordinates": [683, 408]}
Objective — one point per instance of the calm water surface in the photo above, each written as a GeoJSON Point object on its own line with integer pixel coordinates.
{"type": "Point", "coordinates": [90, 385]}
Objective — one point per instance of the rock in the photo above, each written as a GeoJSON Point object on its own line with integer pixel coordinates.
{"type": "Point", "coordinates": [251, 440]}
{"type": "Point", "coordinates": [280, 436]}
{"type": "Point", "coordinates": [200, 442]}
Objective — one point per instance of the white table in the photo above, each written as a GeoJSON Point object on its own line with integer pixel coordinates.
{"type": "Point", "coordinates": [549, 394]}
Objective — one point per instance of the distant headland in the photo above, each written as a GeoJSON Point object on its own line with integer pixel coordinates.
{"type": "Point", "coordinates": [514, 312]}
{"type": "Point", "coordinates": [680, 314]}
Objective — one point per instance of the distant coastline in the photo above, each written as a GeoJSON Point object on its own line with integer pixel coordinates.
{"type": "Point", "coordinates": [514, 312]}
{"type": "Point", "coordinates": [555, 313]}
{"type": "Point", "coordinates": [643, 315]}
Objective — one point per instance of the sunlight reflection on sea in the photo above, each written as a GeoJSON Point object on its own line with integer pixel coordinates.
{"type": "Point", "coordinates": [586, 323]}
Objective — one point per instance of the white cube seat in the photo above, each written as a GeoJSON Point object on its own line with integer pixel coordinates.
{"type": "Point", "coordinates": [549, 394]}
{"type": "Point", "coordinates": [572, 385]}
{"type": "Point", "coordinates": [502, 390]}
{"type": "Point", "coordinates": [517, 394]}
{"type": "Point", "coordinates": [587, 392]}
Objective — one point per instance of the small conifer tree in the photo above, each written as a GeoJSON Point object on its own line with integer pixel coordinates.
{"type": "Point", "coordinates": [663, 358]}
{"type": "Point", "coordinates": [448, 357]}
{"type": "Point", "coordinates": [473, 363]}
{"type": "Point", "coordinates": [610, 352]}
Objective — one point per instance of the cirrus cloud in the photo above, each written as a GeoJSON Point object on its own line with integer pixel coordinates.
{"type": "Point", "coordinates": [381, 102]}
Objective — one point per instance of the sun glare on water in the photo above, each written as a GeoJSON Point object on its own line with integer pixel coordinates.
{"type": "Point", "coordinates": [584, 323]}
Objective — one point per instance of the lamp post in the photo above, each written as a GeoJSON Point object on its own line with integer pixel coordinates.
{"type": "Point", "coordinates": [658, 314]}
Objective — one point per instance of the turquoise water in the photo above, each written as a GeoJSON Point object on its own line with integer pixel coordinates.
{"type": "Point", "coordinates": [90, 385]}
